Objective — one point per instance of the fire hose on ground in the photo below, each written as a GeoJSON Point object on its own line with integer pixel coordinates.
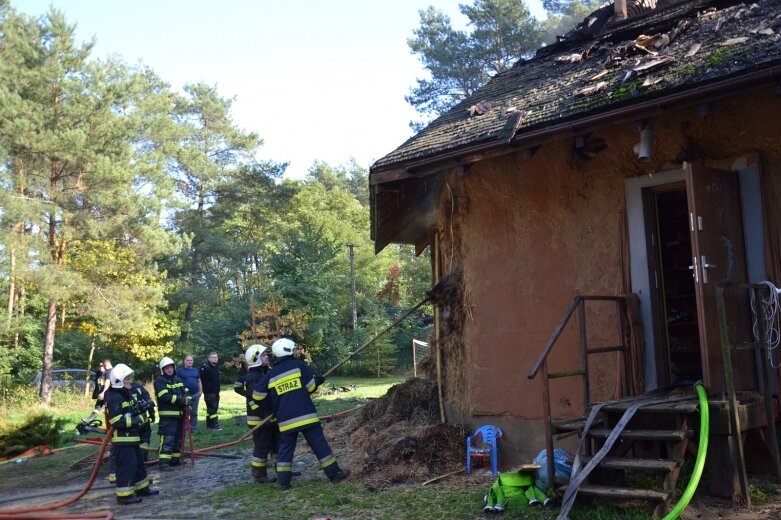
{"type": "Point", "coordinates": [435, 292]}
{"type": "Point", "coordinates": [28, 512]}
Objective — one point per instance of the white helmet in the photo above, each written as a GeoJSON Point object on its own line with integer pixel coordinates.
{"type": "Point", "coordinates": [165, 362]}
{"type": "Point", "coordinates": [283, 347]}
{"type": "Point", "coordinates": [118, 374]}
{"type": "Point", "coordinates": [254, 354]}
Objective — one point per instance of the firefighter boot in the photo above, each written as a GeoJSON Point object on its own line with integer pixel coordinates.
{"type": "Point", "coordinates": [148, 491]}
{"type": "Point", "coordinates": [261, 476]}
{"type": "Point", "coordinates": [92, 417]}
{"type": "Point", "coordinates": [339, 476]}
{"type": "Point", "coordinates": [130, 499]}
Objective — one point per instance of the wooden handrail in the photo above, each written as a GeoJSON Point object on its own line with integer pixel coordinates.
{"type": "Point", "coordinates": [541, 364]}
{"type": "Point", "coordinates": [554, 337]}
{"type": "Point", "coordinates": [563, 323]}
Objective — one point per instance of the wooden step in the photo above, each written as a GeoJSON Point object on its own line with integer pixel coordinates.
{"type": "Point", "coordinates": [617, 493]}
{"type": "Point", "coordinates": [574, 424]}
{"type": "Point", "coordinates": [676, 407]}
{"type": "Point", "coordinates": [632, 464]}
{"type": "Point", "coordinates": [645, 435]}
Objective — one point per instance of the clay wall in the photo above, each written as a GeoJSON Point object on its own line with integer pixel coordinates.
{"type": "Point", "coordinates": [525, 236]}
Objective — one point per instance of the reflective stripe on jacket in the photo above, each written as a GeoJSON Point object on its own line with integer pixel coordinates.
{"type": "Point", "coordinates": [285, 390]}
{"type": "Point", "coordinates": [120, 404]}
{"type": "Point", "coordinates": [170, 394]}
{"type": "Point", "coordinates": [244, 386]}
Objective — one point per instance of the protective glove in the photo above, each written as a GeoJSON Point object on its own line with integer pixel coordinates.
{"type": "Point", "coordinates": [319, 380]}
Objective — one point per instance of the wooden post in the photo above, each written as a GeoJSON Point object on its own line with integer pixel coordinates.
{"type": "Point", "coordinates": [437, 341]}
{"type": "Point", "coordinates": [620, 9]}
{"type": "Point", "coordinates": [414, 361]}
{"type": "Point", "coordinates": [89, 365]}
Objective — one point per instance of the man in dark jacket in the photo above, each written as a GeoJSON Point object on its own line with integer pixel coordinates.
{"type": "Point", "coordinates": [266, 438]}
{"type": "Point", "coordinates": [286, 390]}
{"type": "Point", "coordinates": [210, 381]}
{"type": "Point", "coordinates": [127, 417]}
{"type": "Point", "coordinates": [172, 399]}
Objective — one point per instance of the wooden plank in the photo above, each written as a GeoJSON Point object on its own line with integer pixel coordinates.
{"type": "Point", "coordinates": [616, 493]}
{"type": "Point", "coordinates": [572, 424]}
{"type": "Point", "coordinates": [632, 464]}
{"type": "Point", "coordinates": [679, 407]}
{"type": "Point", "coordinates": [646, 435]}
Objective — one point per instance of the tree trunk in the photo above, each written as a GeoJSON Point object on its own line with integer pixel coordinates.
{"type": "Point", "coordinates": [89, 365]}
{"type": "Point", "coordinates": [195, 266]}
{"type": "Point", "coordinates": [21, 310]}
{"type": "Point", "coordinates": [48, 353]}
{"type": "Point", "coordinates": [11, 289]}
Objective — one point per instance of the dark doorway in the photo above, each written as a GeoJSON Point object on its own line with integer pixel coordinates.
{"type": "Point", "coordinates": [677, 300]}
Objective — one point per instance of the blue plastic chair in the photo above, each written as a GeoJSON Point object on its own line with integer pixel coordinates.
{"type": "Point", "coordinates": [484, 444]}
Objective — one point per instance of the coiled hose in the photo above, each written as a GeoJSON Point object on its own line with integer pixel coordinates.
{"type": "Point", "coordinates": [702, 451]}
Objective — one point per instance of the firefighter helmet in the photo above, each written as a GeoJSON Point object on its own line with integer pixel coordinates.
{"type": "Point", "coordinates": [254, 354]}
{"type": "Point", "coordinates": [118, 374]}
{"type": "Point", "coordinates": [283, 347]}
{"type": "Point", "coordinates": [165, 362]}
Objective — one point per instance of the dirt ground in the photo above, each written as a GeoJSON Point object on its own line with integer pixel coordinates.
{"type": "Point", "coordinates": [393, 440]}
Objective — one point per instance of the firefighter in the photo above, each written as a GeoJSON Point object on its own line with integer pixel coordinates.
{"type": "Point", "coordinates": [172, 399]}
{"type": "Point", "coordinates": [265, 438]}
{"type": "Point", "coordinates": [143, 403]}
{"type": "Point", "coordinates": [126, 417]}
{"type": "Point", "coordinates": [285, 392]}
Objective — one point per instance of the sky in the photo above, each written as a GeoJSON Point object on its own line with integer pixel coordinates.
{"type": "Point", "coordinates": [315, 79]}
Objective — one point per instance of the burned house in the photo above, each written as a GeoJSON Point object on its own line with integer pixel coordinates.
{"type": "Point", "coordinates": [623, 177]}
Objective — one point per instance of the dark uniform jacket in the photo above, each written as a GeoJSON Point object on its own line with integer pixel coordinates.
{"type": "Point", "coordinates": [144, 400]}
{"type": "Point", "coordinates": [210, 378]}
{"type": "Point", "coordinates": [244, 386]}
{"type": "Point", "coordinates": [171, 397]}
{"type": "Point", "coordinates": [125, 416]}
{"type": "Point", "coordinates": [285, 390]}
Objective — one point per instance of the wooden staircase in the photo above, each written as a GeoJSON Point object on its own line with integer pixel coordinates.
{"type": "Point", "coordinates": [645, 460]}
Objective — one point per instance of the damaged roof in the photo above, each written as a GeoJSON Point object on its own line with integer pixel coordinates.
{"type": "Point", "coordinates": [603, 66]}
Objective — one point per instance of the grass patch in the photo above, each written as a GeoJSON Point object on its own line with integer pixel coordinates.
{"type": "Point", "coordinates": [457, 498]}
{"type": "Point", "coordinates": [352, 500]}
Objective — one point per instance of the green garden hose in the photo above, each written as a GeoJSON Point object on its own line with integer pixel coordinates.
{"type": "Point", "coordinates": [701, 453]}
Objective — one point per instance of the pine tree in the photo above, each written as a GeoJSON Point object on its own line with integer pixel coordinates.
{"type": "Point", "coordinates": [72, 165]}
{"type": "Point", "coordinates": [210, 150]}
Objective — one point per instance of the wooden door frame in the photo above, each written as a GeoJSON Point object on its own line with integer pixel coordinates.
{"type": "Point", "coordinates": [640, 269]}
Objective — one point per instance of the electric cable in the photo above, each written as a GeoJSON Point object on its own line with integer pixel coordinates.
{"type": "Point", "coordinates": [768, 311]}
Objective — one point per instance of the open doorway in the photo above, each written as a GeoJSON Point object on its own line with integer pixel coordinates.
{"type": "Point", "coordinates": [675, 299]}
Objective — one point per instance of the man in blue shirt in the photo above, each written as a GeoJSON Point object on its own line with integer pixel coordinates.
{"type": "Point", "coordinates": [191, 378]}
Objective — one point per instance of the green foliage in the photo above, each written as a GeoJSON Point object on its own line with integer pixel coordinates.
{"type": "Point", "coordinates": [718, 58]}
{"type": "Point", "coordinates": [459, 62]}
{"type": "Point", "coordinates": [38, 430]}
{"type": "Point", "coordinates": [761, 494]}
{"type": "Point", "coordinates": [76, 218]}
{"type": "Point", "coordinates": [565, 15]}
{"type": "Point", "coordinates": [94, 155]}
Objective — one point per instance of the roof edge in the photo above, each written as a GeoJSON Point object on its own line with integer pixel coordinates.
{"type": "Point", "coordinates": [455, 157]}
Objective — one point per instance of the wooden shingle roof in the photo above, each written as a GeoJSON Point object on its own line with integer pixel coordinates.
{"type": "Point", "coordinates": [601, 67]}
